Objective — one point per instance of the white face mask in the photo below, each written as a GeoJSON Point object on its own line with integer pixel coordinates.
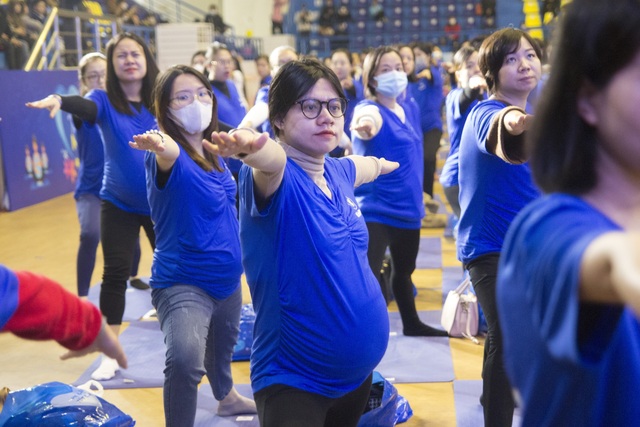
{"type": "Point", "coordinates": [194, 118]}
{"type": "Point", "coordinates": [199, 67]}
{"type": "Point", "coordinates": [391, 84]}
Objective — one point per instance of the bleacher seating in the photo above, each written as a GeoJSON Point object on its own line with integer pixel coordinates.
{"type": "Point", "coordinates": [406, 21]}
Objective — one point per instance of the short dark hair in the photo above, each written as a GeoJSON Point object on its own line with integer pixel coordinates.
{"type": "Point", "coordinates": [294, 79]}
{"type": "Point", "coordinates": [595, 40]}
{"type": "Point", "coordinates": [496, 47]}
{"type": "Point", "coordinates": [114, 91]}
{"type": "Point", "coordinates": [462, 56]}
{"type": "Point", "coordinates": [162, 99]}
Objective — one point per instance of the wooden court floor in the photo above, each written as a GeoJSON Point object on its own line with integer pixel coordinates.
{"type": "Point", "coordinates": [44, 239]}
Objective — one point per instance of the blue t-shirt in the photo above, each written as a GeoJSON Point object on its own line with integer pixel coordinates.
{"type": "Point", "coordinates": [9, 294]}
{"type": "Point", "coordinates": [91, 156]}
{"type": "Point", "coordinates": [492, 191]}
{"type": "Point", "coordinates": [321, 321]}
{"type": "Point", "coordinates": [196, 225]}
{"type": "Point", "coordinates": [124, 181]}
{"type": "Point", "coordinates": [455, 124]}
{"type": "Point", "coordinates": [230, 111]}
{"type": "Point", "coordinates": [429, 96]}
{"type": "Point", "coordinates": [394, 199]}
{"type": "Point", "coordinates": [352, 101]}
{"type": "Point", "coordinates": [573, 363]}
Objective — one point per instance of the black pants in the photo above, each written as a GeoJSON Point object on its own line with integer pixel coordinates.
{"type": "Point", "coordinates": [283, 406]}
{"type": "Point", "coordinates": [403, 247]}
{"type": "Point", "coordinates": [119, 233]}
{"type": "Point", "coordinates": [497, 399]}
{"type": "Point", "coordinates": [431, 144]}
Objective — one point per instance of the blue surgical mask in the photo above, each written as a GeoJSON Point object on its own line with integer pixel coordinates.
{"type": "Point", "coordinates": [194, 118]}
{"type": "Point", "coordinates": [391, 84]}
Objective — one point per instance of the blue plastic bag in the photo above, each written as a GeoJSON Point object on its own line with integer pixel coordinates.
{"type": "Point", "coordinates": [56, 404]}
{"type": "Point", "coordinates": [242, 350]}
{"type": "Point", "coordinates": [385, 407]}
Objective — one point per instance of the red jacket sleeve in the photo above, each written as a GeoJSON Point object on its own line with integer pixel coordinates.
{"type": "Point", "coordinates": [48, 311]}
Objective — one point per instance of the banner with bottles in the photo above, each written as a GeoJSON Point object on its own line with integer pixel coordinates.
{"type": "Point", "coordinates": [39, 154]}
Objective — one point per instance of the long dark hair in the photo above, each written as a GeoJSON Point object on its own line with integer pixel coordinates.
{"type": "Point", "coordinates": [370, 65]}
{"type": "Point", "coordinates": [114, 91]}
{"type": "Point", "coordinates": [595, 40]}
{"type": "Point", "coordinates": [162, 99]}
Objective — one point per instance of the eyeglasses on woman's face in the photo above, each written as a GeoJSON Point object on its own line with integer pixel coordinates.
{"type": "Point", "coordinates": [94, 77]}
{"type": "Point", "coordinates": [311, 108]}
{"type": "Point", "coordinates": [185, 97]}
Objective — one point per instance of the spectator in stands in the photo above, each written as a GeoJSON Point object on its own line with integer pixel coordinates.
{"type": "Point", "coordinates": [16, 50]}
{"type": "Point", "coordinates": [452, 29]}
{"type": "Point", "coordinates": [303, 19]}
{"type": "Point", "coordinates": [280, 10]}
{"type": "Point", "coordinates": [495, 184]}
{"type": "Point", "coordinates": [385, 126]}
{"type": "Point", "coordinates": [68, 27]}
{"type": "Point", "coordinates": [127, 14]}
{"type": "Point", "coordinates": [264, 69]}
{"type": "Point", "coordinates": [376, 11]}
{"type": "Point", "coordinates": [121, 112]}
{"type": "Point", "coordinates": [38, 11]}
{"type": "Point", "coordinates": [326, 21]}
{"type": "Point", "coordinates": [304, 252]}
{"type": "Point", "coordinates": [197, 264]}
{"type": "Point", "coordinates": [214, 18]}
{"type": "Point", "coordinates": [15, 14]}
{"type": "Point", "coordinates": [342, 21]}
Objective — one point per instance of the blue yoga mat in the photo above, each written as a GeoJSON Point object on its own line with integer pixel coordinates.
{"type": "Point", "coordinates": [207, 406]}
{"type": "Point", "coordinates": [143, 343]}
{"type": "Point", "coordinates": [430, 253]}
{"type": "Point", "coordinates": [467, 400]}
{"type": "Point", "coordinates": [138, 302]}
{"type": "Point", "coordinates": [416, 359]}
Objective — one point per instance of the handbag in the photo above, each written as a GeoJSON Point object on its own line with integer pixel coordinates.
{"type": "Point", "coordinates": [460, 312]}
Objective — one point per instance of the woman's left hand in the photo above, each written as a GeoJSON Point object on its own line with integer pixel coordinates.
{"type": "Point", "coordinates": [387, 166]}
{"type": "Point", "coordinates": [239, 143]}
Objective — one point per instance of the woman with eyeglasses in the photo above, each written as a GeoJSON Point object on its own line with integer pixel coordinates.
{"type": "Point", "coordinates": [321, 324]}
{"type": "Point", "coordinates": [196, 269]}
{"type": "Point", "coordinates": [92, 75]}
{"type": "Point", "coordinates": [123, 110]}
{"type": "Point", "coordinates": [392, 206]}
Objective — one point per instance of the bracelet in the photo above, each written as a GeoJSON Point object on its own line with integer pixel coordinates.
{"type": "Point", "coordinates": [232, 131]}
{"type": "Point", "coordinates": [57, 97]}
{"type": "Point", "coordinates": [157, 132]}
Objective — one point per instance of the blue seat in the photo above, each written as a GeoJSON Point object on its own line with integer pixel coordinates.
{"type": "Point", "coordinates": [393, 12]}
{"type": "Point", "coordinates": [3, 61]}
{"type": "Point", "coordinates": [432, 10]}
{"type": "Point", "coordinates": [396, 25]}
{"type": "Point", "coordinates": [411, 11]}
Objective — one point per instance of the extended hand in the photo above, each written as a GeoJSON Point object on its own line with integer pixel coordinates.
{"type": "Point", "coordinates": [106, 342]}
{"type": "Point", "coordinates": [150, 141]}
{"type": "Point", "coordinates": [51, 103]}
{"type": "Point", "coordinates": [241, 142]}
{"type": "Point", "coordinates": [387, 166]}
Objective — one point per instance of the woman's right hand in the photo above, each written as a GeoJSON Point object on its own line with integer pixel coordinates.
{"type": "Point", "coordinates": [51, 103]}
{"type": "Point", "coordinates": [240, 142]}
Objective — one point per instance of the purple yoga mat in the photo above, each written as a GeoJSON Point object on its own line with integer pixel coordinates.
{"type": "Point", "coordinates": [430, 253]}
{"type": "Point", "coordinates": [207, 406]}
{"type": "Point", "coordinates": [467, 400]}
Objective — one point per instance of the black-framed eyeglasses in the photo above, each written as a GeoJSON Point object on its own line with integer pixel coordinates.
{"type": "Point", "coordinates": [311, 108]}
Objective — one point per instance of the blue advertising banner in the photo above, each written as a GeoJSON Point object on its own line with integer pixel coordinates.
{"type": "Point", "coordinates": [39, 153]}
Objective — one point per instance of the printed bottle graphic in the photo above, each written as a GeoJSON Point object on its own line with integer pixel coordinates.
{"type": "Point", "coordinates": [28, 161]}
{"type": "Point", "coordinates": [38, 173]}
{"type": "Point", "coordinates": [45, 158]}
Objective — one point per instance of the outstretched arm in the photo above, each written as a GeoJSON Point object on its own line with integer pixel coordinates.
{"type": "Point", "coordinates": [164, 147]}
{"type": "Point", "coordinates": [369, 168]}
{"type": "Point", "coordinates": [46, 310]}
{"type": "Point", "coordinates": [263, 154]}
{"type": "Point", "coordinates": [610, 270]}
{"type": "Point", "coordinates": [84, 108]}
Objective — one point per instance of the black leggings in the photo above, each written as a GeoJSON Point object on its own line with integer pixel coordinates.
{"type": "Point", "coordinates": [283, 406]}
{"type": "Point", "coordinates": [403, 247]}
{"type": "Point", "coordinates": [119, 233]}
{"type": "Point", "coordinates": [497, 400]}
{"type": "Point", "coordinates": [431, 144]}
